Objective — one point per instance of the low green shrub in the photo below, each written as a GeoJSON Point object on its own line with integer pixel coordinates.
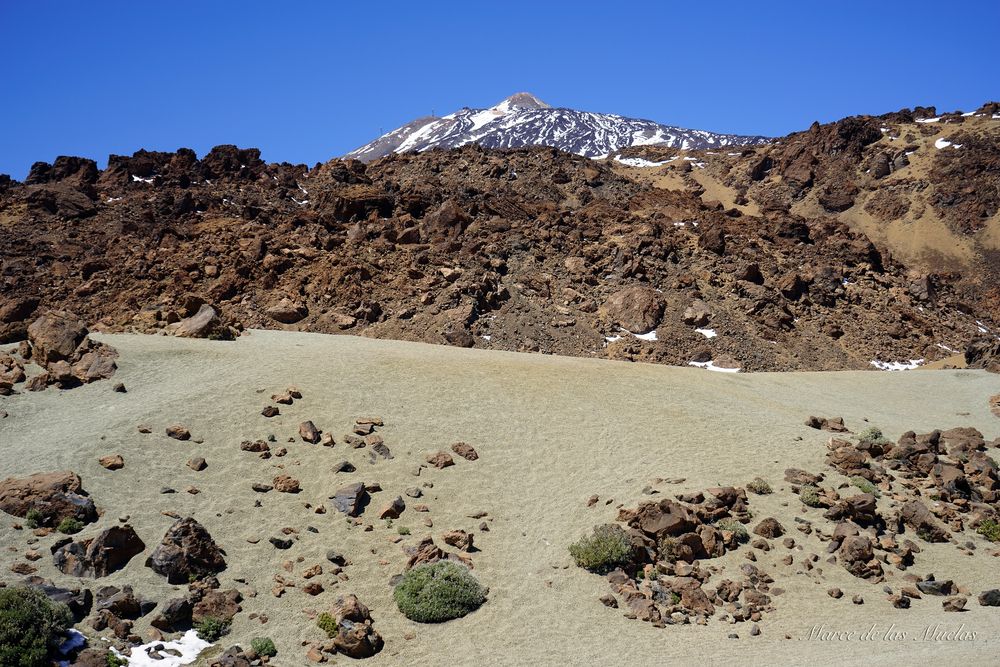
{"type": "Point", "coordinates": [437, 592]}
{"type": "Point", "coordinates": [605, 549]}
{"type": "Point", "coordinates": [327, 624]}
{"type": "Point", "coordinates": [865, 485]}
{"type": "Point", "coordinates": [70, 525]}
{"type": "Point", "coordinates": [33, 519]}
{"type": "Point", "coordinates": [874, 435]}
{"type": "Point", "coordinates": [263, 646]}
{"type": "Point", "coordinates": [989, 529]}
{"type": "Point", "coordinates": [403, 530]}
{"type": "Point", "coordinates": [116, 661]}
{"type": "Point", "coordinates": [809, 495]}
{"type": "Point", "coordinates": [211, 629]}
{"type": "Point", "coordinates": [735, 527]}
{"type": "Point", "coordinates": [759, 486]}
{"type": "Point", "coordinates": [31, 627]}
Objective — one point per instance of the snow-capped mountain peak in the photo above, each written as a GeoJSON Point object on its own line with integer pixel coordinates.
{"type": "Point", "coordinates": [524, 120]}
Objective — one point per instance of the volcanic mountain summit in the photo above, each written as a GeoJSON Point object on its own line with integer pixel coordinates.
{"type": "Point", "coordinates": [524, 120]}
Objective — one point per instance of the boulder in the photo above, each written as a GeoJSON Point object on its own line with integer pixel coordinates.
{"type": "Point", "coordinates": [55, 495]}
{"type": "Point", "coordinates": [98, 556]}
{"type": "Point", "coordinates": [769, 528]}
{"type": "Point", "coordinates": [351, 499]}
{"type": "Point", "coordinates": [636, 309]}
{"type": "Point", "coordinates": [392, 509]}
{"type": "Point", "coordinates": [174, 616]}
{"type": "Point", "coordinates": [356, 637]}
{"type": "Point", "coordinates": [697, 314]}
{"type": "Point", "coordinates": [287, 311]}
{"type": "Point", "coordinates": [221, 605]}
{"type": "Point", "coordinates": [55, 336]}
{"type": "Point", "coordinates": [203, 324]}
{"type": "Point", "coordinates": [187, 552]}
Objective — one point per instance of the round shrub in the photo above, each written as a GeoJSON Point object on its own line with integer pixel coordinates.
{"type": "Point", "coordinates": [31, 626]}
{"type": "Point", "coordinates": [605, 549]}
{"type": "Point", "coordinates": [735, 527]}
{"type": "Point", "coordinates": [437, 592]}
{"type": "Point", "coordinates": [263, 646]}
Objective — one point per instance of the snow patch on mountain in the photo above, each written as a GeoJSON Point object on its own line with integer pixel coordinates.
{"type": "Point", "coordinates": [524, 120]}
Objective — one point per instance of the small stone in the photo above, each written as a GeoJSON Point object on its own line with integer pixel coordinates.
{"type": "Point", "coordinates": [392, 509]}
{"type": "Point", "coordinates": [197, 464]}
{"type": "Point", "coordinates": [280, 542]}
{"type": "Point", "coordinates": [308, 432]}
{"type": "Point", "coordinates": [857, 599]}
{"type": "Point", "coordinates": [120, 388]}
{"type": "Point", "coordinates": [178, 432]}
{"type": "Point", "coordinates": [112, 462]}
{"type": "Point", "coordinates": [327, 440]}
{"type": "Point", "coordinates": [344, 466]}
{"type": "Point", "coordinates": [835, 593]}
{"type": "Point", "coordinates": [609, 600]}
{"type": "Point", "coordinates": [414, 492]}
{"type": "Point", "coordinates": [261, 488]}
{"type": "Point", "coordinates": [270, 411]}
{"type": "Point", "coordinates": [286, 484]}
{"type": "Point", "coordinates": [954, 604]}
{"type": "Point", "coordinates": [440, 459]}
{"type": "Point", "coordinates": [465, 450]}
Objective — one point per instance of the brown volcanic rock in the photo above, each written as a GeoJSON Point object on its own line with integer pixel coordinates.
{"type": "Point", "coordinates": [55, 495]}
{"type": "Point", "coordinates": [444, 246]}
{"type": "Point", "coordinates": [55, 336]}
{"type": "Point", "coordinates": [635, 309]}
{"type": "Point", "coordinates": [187, 551]}
{"type": "Point", "coordinates": [99, 556]}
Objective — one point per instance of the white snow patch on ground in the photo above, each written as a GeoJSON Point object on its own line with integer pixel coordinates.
{"type": "Point", "coordinates": [897, 365]}
{"type": "Point", "coordinates": [612, 339]}
{"type": "Point", "coordinates": [942, 143]}
{"type": "Point", "coordinates": [486, 337]}
{"type": "Point", "coordinates": [708, 365]}
{"type": "Point", "coordinates": [141, 180]}
{"type": "Point", "coordinates": [646, 336]}
{"type": "Point", "coordinates": [929, 120]}
{"type": "Point", "coordinates": [707, 333]}
{"type": "Point", "coordinates": [946, 348]}
{"type": "Point", "coordinates": [190, 647]}
{"type": "Point", "coordinates": [638, 162]}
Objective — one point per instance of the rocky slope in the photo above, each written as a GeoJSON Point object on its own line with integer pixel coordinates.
{"type": "Point", "coordinates": [529, 249]}
{"type": "Point", "coordinates": [524, 120]}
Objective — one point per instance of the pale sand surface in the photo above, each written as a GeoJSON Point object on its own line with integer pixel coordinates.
{"type": "Point", "coordinates": [550, 431]}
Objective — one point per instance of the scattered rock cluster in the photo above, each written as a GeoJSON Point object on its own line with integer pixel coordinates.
{"type": "Point", "coordinates": [59, 343]}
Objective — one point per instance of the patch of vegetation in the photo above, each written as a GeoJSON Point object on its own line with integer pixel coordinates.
{"type": "Point", "coordinates": [33, 519]}
{"type": "Point", "coordinates": [675, 598]}
{"type": "Point", "coordinates": [873, 434]}
{"type": "Point", "coordinates": [605, 549]}
{"type": "Point", "coordinates": [437, 592]}
{"type": "Point", "coordinates": [809, 495]}
{"type": "Point", "coordinates": [327, 624]}
{"type": "Point", "coordinates": [116, 661]}
{"type": "Point", "coordinates": [403, 530]}
{"type": "Point", "coordinates": [263, 646]}
{"type": "Point", "coordinates": [667, 548]}
{"type": "Point", "coordinates": [70, 526]}
{"type": "Point", "coordinates": [759, 486]}
{"type": "Point", "coordinates": [989, 529]}
{"type": "Point", "coordinates": [211, 629]}
{"type": "Point", "coordinates": [31, 626]}
{"type": "Point", "coordinates": [865, 485]}
{"type": "Point", "coordinates": [735, 527]}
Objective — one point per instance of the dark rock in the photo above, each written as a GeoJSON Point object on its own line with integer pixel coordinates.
{"type": "Point", "coordinates": [98, 556]}
{"type": "Point", "coordinates": [187, 552]}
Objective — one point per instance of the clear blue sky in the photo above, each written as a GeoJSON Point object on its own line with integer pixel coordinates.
{"type": "Point", "coordinates": [306, 81]}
